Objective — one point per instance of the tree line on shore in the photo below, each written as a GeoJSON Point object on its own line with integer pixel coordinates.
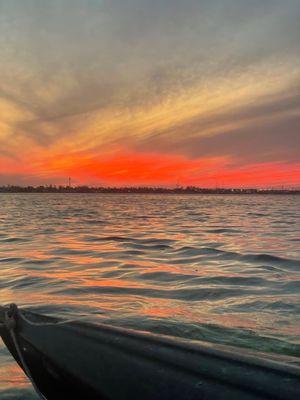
{"type": "Point", "coordinates": [143, 190]}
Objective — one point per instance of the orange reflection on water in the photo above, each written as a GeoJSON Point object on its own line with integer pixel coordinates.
{"type": "Point", "coordinates": [12, 376]}
{"type": "Point", "coordinates": [113, 283]}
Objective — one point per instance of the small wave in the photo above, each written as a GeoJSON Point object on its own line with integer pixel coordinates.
{"type": "Point", "coordinates": [212, 252]}
{"type": "Point", "coordinates": [224, 230]}
{"type": "Point", "coordinates": [203, 254]}
{"type": "Point", "coordinates": [270, 259]}
{"type": "Point", "coordinates": [40, 261]}
{"type": "Point", "coordinates": [256, 214]}
{"type": "Point", "coordinates": [204, 251]}
{"type": "Point", "coordinates": [96, 222]}
{"type": "Point", "coordinates": [11, 260]}
{"type": "Point", "coordinates": [234, 280]}
{"type": "Point", "coordinates": [153, 247]}
{"type": "Point", "coordinates": [14, 240]}
{"type": "Point", "coordinates": [219, 334]}
{"type": "Point", "coordinates": [68, 251]}
{"type": "Point", "coordinates": [108, 239]}
{"type": "Point", "coordinates": [291, 286]}
{"type": "Point", "coordinates": [187, 294]}
{"type": "Point", "coordinates": [156, 241]}
{"type": "Point", "coordinates": [161, 277]}
{"type": "Point", "coordinates": [31, 282]}
{"type": "Point", "coordinates": [261, 305]}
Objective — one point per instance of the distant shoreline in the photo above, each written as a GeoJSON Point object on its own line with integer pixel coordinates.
{"type": "Point", "coordinates": [143, 190]}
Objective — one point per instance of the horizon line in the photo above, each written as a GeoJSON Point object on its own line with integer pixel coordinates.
{"type": "Point", "coordinates": [141, 188]}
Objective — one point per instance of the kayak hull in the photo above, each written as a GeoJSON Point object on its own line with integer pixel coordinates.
{"type": "Point", "coordinates": [96, 361]}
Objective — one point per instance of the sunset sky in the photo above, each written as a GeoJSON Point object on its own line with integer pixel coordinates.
{"type": "Point", "coordinates": [150, 92]}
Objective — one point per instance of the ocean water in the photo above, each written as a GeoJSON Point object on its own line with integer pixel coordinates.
{"type": "Point", "coordinates": [225, 269]}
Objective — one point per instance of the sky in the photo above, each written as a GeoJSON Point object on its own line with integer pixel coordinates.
{"type": "Point", "coordinates": [150, 92]}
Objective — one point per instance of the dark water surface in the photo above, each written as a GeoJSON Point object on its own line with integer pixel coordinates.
{"type": "Point", "coordinates": [220, 268]}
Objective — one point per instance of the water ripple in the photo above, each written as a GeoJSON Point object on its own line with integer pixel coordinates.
{"type": "Point", "coordinates": [200, 267]}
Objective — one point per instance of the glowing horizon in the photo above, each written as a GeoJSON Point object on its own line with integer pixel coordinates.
{"type": "Point", "coordinates": [136, 92]}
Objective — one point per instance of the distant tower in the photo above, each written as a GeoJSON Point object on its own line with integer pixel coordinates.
{"type": "Point", "coordinates": [69, 181]}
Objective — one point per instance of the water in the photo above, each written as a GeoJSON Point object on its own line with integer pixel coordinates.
{"type": "Point", "coordinates": [218, 268]}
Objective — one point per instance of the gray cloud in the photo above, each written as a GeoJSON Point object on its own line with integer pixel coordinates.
{"type": "Point", "coordinates": [68, 58]}
{"type": "Point", "coordinates": [265, 132]}
{"type": "Point", "coordinates": [266, 142]}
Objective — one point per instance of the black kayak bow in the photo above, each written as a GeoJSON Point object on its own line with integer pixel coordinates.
{"type": "Point", "coordinates": [77, 360]}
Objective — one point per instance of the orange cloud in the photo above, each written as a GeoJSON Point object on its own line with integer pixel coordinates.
{"type": "Point", "coordinates": [131, 168]}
